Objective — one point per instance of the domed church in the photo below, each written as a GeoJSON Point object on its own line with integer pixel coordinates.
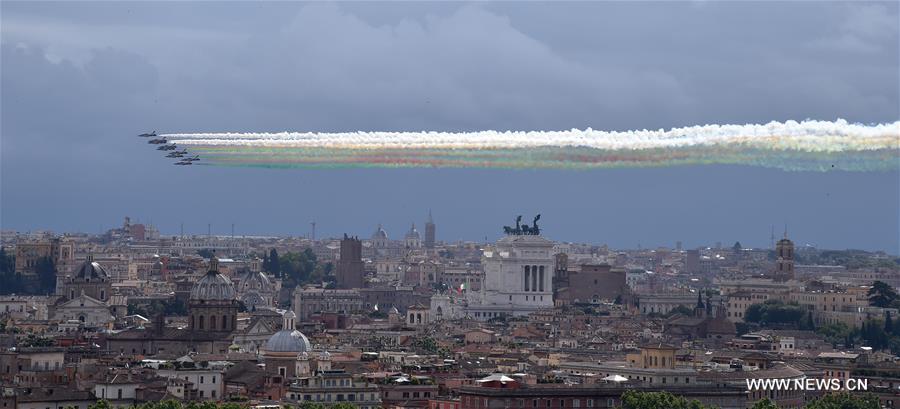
{"type": "Point", "coordinates": [213, 305]}
{"type": "Point", "coordinates": [91, 279]}
{"type": "Point", "coordinates": [212, 319]}
{"type": "Point", "coordinates": [255, 289]}
{"type": "Point", "coordinates": [284, 347]}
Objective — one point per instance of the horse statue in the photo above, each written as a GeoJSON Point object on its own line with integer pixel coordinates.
{"type": "Point", "coordinates": [526, 229]}
{"type": "Point", "coordinates": [518, 225]}
{"type": "Point", "coordinates": [508, 230]}
{"type": "Point", "coordinates": [535, 229]}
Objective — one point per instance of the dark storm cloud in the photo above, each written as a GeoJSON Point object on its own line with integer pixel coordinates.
{"type": "Point", "coordinates": [79, 79]}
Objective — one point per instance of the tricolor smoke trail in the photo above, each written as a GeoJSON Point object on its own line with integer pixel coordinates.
{"type": "Point", "coordinates": [807, 146]}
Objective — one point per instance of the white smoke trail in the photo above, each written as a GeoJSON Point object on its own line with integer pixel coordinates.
{"type": "Point", "coordinates": [809, 136]}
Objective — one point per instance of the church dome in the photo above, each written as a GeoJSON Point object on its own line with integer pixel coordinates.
{"type": "Point", "coordinates": [413, 233]}
{"type": "Point", "coordinates": [213, 286]}
{"type": "Point", "coordinates": [379, 233]}
{"type": "Point", "coordinates": [288, 339]}
{"type": "Point", "coordinates": [256, 281]}
{"type": "Point", "coordinates": [91, 269]}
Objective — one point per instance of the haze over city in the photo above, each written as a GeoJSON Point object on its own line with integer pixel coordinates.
{"type": "Point", "coordinates": [448, 205]}
{"type": "Point", "coordinates": [80, 80]}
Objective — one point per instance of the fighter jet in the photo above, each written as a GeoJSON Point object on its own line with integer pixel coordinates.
{"type": "Point", "coordinates": [183, 163]}
{"type": "Point", "coordinates": [176, 154]}
{"type": "Point", "coordinates": [158, 141]}
{"type": "Point", "coordinates": [147, 135]}
{"type": "Point", "coordinates": [195, 158]}
{"type": "Point", "coordinates": [167, 147]}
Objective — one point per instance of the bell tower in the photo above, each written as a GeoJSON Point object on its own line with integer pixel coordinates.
{"type": "Point", "coordinates": [784, 259]}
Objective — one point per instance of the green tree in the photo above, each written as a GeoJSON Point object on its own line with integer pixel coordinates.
{"type": "Point", "coordinates": [311, 405]}
{"type": "Point", "coordinates": [274, 266]}
{"type": "Point", "coordinates": [10, 281]}
{"type": "Point", "coordinates": [100, 404]}
{"type": "Point", "coordinates": [882, 295]}
{"type": "Point", "coordinates": [658, 400]}
{"type": "Point", "coordinates": [343, 405]}
{"type": "Point", "coordinates": [888, 323]}
{"type": "Point", "coordinates": [46, 272]}
{"type": "Point", "coordinates": [764, 404]}
{"type": "Point", "coordinates": [774, 312]}
{"type": "Point", "coordinates": [810, 323]}
{"type": "Point", "coordinates": [834, 333]}
{"type": "Point", "coordinates": [845, 401]}
{"type": "Point", "coordinates": [680, 310]}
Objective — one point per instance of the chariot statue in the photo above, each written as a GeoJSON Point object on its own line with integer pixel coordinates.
{"type": "Point", "coordinates": [524, 229]}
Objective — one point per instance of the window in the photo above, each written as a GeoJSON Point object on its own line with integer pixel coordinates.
{"type": "Point", "coordinates": [201, 379]}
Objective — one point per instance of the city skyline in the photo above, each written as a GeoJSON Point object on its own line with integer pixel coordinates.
{"type": "Point", "coordinates": [449, 205]}
{"type": "Point", "coordinates": [112, 82]}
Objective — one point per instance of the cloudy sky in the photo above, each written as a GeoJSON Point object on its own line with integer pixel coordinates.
{"type": "Point", "coordinates": [79, 80]}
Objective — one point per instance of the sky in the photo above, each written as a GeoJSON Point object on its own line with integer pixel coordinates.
{"type": "Point", "coordinates": [81, 79]}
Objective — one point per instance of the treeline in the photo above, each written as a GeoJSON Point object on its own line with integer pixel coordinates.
{"type": "Point", "coordinates": [168, 307]}
{"type": "Point", "coordinates": [665, 400]}
{"type": "Point", "coordinates": [876, 333]}
{"type": "Point", "coordinates": [849, 258]}
{"type": "Point", "coordinates": [777, 312]}
{"type": "Point", "coordinates": [297, 267]}
{"type": "Point", "coordinates": [301, 267]}
{"type": "Point", "coordinates": [630, 400]}
{"type": "Point", "coordinates": [174, 404]}
{"type": "Point", "coordinates": [12, 282]}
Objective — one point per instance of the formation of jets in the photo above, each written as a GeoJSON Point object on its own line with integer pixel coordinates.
{"type": "Point", "coordinates": [170, 146]}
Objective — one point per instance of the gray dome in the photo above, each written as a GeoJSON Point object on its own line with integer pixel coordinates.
{"type": "Point", "coordinates": [256, 281]}
{"type": "Point", "coordinates": [413, 233]}
{"type": "Point", "coordinates": [213, 287]}
{"type": "Point", "coordinates": [288, 341]}
{"type": "Point", "coordinates": [380, 233]}
{"type": "Point", "coordinates": [91, 270]}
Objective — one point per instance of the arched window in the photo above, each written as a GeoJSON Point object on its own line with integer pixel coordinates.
{"type": "Point", "coordinates": [224, 322]}
{"type": "Point", "coordinates": [212, 322]}
{"type": "Point", "coordinates": [192, 321]}
{"type": "Point", "coordinates": [202, 321]}
{"type": "Point", "coordinates": [102, 295]}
